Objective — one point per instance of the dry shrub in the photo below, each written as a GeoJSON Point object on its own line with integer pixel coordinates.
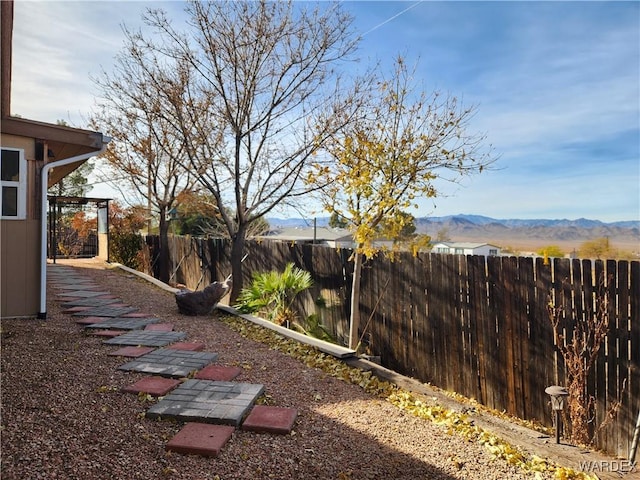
{"type": "Point", "coordinates": [579, 340]}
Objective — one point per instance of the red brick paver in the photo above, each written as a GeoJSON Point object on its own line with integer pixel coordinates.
{"type": "Point", "coordinates": [131, 351]}
{"type": "Point", "coordinates": [270, 419]}
{"type": "Point", "coordinates": [200, 439]}
{"type": "Point", "coordinates": [156, 386]}
{"type": "Point", "coordinates": [160, 327]}
{"type": "Point", "coordinates": [107, 333]}
{"type": "Point", "coordinates": [218, 373]}
{"type": "Point", "coordinates": [189, 346]}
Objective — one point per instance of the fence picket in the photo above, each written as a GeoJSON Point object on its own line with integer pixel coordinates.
{"type": "Point", "coordinates": [478, 296]}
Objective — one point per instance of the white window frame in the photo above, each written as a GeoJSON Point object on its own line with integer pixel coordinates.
{"type": "Point", "coordinates": [21, 184]}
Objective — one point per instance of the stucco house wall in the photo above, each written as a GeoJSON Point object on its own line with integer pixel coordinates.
{"type": "Point", "coordinates": [19, 241]}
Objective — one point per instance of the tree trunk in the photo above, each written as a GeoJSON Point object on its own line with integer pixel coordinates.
{"type": "Point", "coordinates": [237, 252]}
{"type": "Point", "coordinates": [354, 324]}
{"type": "Point", "coordinates": [163, 254]}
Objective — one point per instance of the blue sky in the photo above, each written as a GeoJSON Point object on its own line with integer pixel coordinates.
{"type": "Point", "coordinates": [556, 85]}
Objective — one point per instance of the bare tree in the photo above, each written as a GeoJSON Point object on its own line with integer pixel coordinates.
{"type": "Point", "coordinates": [147, 157]}
{"type": "Point", "coordinates": [263, 94]}
{"type": "Point", "coordinates": [389, 156]}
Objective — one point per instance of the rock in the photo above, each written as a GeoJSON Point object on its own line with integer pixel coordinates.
{"type": "Point", "coordinates": [202, 302]}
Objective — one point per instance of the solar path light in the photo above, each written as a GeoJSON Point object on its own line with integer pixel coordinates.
{"type": "Point", "coordinates": [557, 395]}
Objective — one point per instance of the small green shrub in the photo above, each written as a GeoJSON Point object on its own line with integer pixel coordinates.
{"type": "Point", "coordinates": [125, 248]}
{"type": "Point", "coordinates": [271, 294]}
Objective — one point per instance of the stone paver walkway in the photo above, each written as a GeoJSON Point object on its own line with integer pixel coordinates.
{"type": "Point", "coordinates": [212, 408]}
{"type": "Point", "coordinates": [208, 401]}
{"type": "Point", "coordinates": [146, 338]}
{"type": "Point", "coordinates": [169, 363]}
{"type": "Point", "coordinates": [105, 311]}
{"type": "Point", "coordinates": [81, 293]}
{"type": "Point", "coordinates": [79, 286]}
{"type": "Point", "coordinates": [123, 323]}
{"type": "Point", "coordinates": [90, 302]}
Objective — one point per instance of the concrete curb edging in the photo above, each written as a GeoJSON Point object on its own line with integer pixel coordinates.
{"type": "Point", "coordinates": [326, 347]}
{"type": "Point", "coordinates": [146, 277]}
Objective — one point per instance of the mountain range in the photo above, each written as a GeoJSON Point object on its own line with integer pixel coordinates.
{"type": "Point", "coordinates": [541, 222]}
{"type": "Point", "coordinates": [476, 220]}
{"type": "Point", "coordinates": [516, 233]}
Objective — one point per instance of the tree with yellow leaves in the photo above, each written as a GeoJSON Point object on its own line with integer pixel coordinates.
{"type": "Point", "coordinates": [388, 158]}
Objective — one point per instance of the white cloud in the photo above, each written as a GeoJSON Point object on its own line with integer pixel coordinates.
{"type": "Point", "coordinates": [58, 46]}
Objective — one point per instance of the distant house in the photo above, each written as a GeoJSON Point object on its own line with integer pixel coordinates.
{"type": "Point", "coordinates": [465, 248]}
{"type": "Point", "coordinates": [35, 156]}
{"type": "Point", "coordinates": [331, 237]}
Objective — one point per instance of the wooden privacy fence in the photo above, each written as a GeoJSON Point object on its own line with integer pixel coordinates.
{"type": "Point", "coordinates": [479, 326]}
{"type": "Point", "coordinates": [471, 324]}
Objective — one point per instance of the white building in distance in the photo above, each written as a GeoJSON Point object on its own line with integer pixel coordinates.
{"type": "Point", "coordinates": [465, 248]}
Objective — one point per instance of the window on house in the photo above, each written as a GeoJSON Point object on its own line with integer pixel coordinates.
{"type": "Point", "coordinates": [493, 252]}
{"type": "Point", "coordinates": [13, 181]}
{"type": "Point", "coordinates": [459, 251]}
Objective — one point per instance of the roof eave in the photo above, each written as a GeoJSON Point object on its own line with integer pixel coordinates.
{"type": "Point", "coordinates": [61, 142]}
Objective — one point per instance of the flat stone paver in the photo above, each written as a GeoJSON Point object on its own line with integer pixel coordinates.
{"type": "Point", "coordinates": [90, 302]}
{"type": "Point", "coordinates": [107, 333]}
{"type": "Point", "coordinates": [146, 338]}
{"type": "Point", "coordinates": [136, 315]}
{"type": "Point", "coordinates": [208, 402]}
{"type": "Point", "coordinates": [121, 323]}
{"type": "Point", "coordinates": [73, 281]}
{"type": "Point", "coordinates": [75, 309]}
{"type": "Point", "coordinates": [219, 373]}
{"type": "Point", "coordinates": [131, 351]}
{"type": "Point", "coordinates": [81, 294]}
{"type": "Point", "coordinates": [268, 419]}
{"type": "Point", "coordinates": [169, 363]}
{"type": "Point", "coordinates": [106, 311]}
{"type": "Point", "coordinates": [155, 386]}
{"type": "Point", "coordinates": [75, 286]}
{"type": "Point", "coordinates": [191, 346]}
{"type": "Point", "coordinates": [200, 439]}
{"type": "Point", "coordinates": [159, 327]}
{"type": "Point", "coordinates": [90, 321]}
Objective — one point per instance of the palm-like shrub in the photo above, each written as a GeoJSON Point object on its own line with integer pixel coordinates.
{"type": "Point", "coordinates": [271, 294]}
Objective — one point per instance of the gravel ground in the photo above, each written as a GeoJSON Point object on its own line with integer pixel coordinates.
{"type": "Point", "coordinates": [63, 416]}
